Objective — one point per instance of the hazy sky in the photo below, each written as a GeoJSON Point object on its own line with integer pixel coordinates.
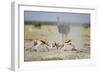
{"type": "Point", "coordinates": [52, 16]}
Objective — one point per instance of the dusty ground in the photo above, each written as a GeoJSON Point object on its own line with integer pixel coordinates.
{"type": "Point", "coordinates": [56, 54]}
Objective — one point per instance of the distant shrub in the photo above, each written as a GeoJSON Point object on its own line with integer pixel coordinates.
{"type": "Point", "coordinates": [86, 25]}
{"type": "Point", "coordinates": [38, 25]}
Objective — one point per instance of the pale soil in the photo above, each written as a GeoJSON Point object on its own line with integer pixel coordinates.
{"type": "Point", "coordinates": [56, 55]}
